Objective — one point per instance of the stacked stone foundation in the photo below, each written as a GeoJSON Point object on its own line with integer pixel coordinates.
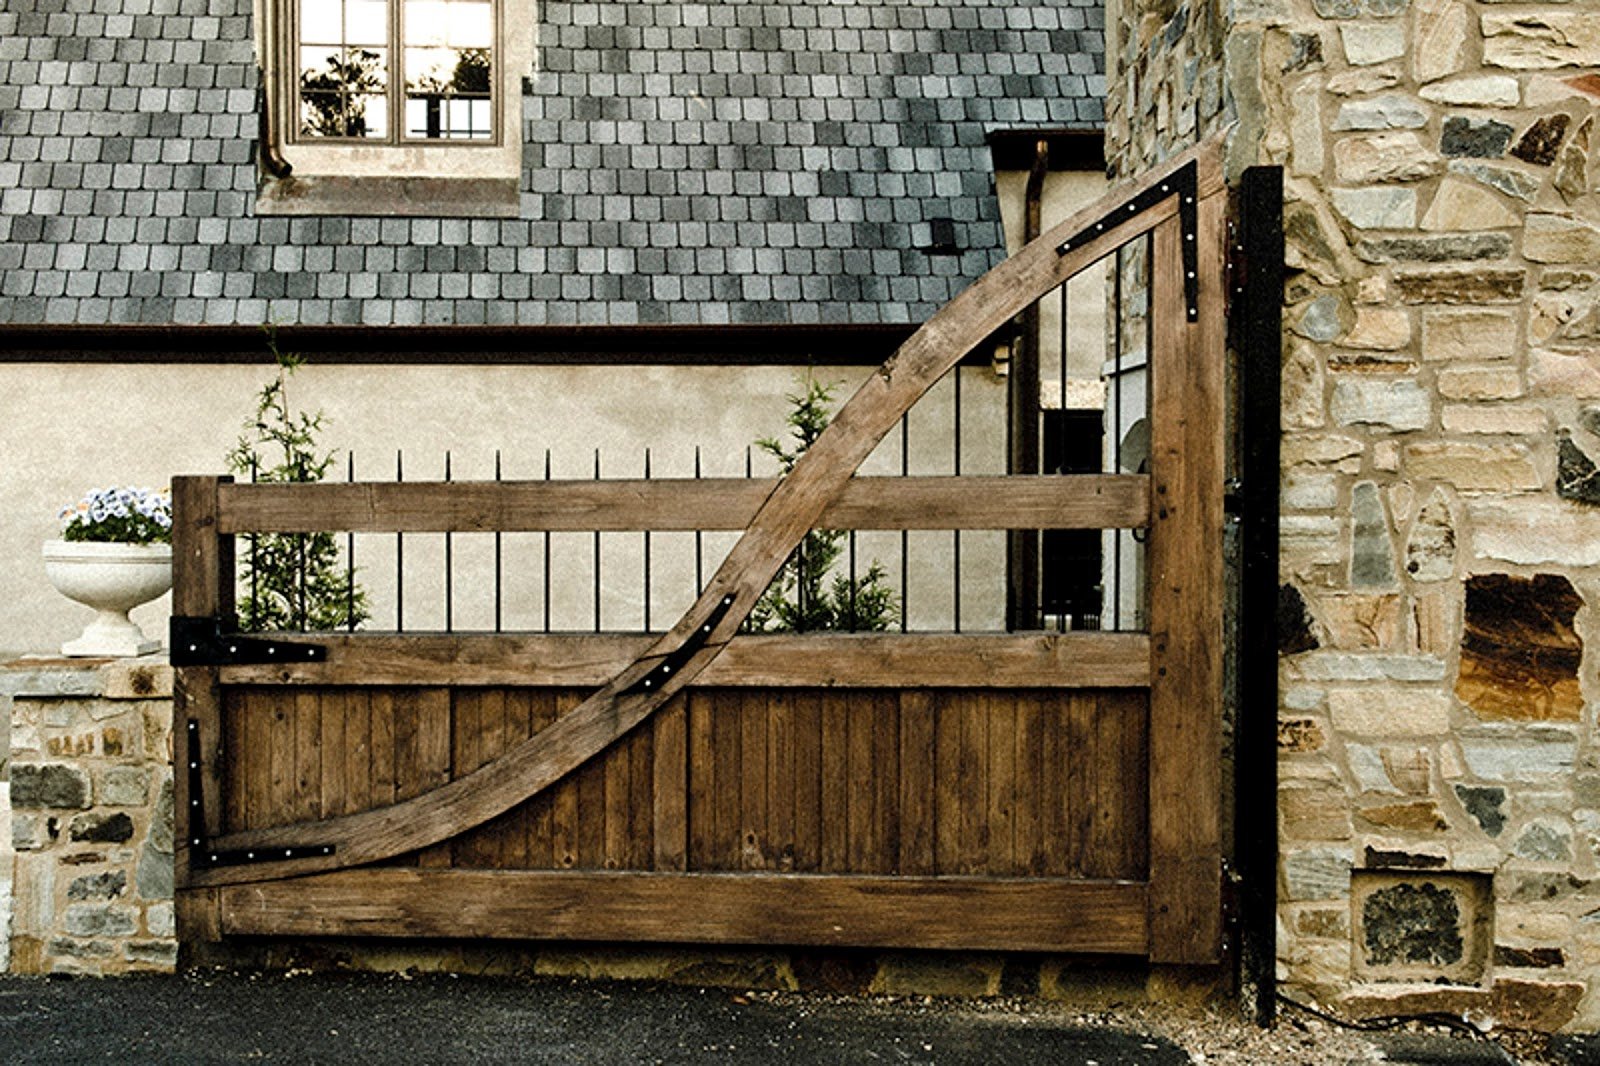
{"type": "Point", "coordinates": [91, 817]}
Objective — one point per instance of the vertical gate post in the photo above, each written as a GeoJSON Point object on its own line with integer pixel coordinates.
{"type": "Point", "coordinates": [1258, 341]}
{"type": "Point", "coordinates": [1187, 407]}
{"type": "Point", "coordinates": [202, 586]}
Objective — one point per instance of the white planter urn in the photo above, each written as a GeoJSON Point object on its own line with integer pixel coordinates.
{"type": "Point", "coordinates": [113, 579]}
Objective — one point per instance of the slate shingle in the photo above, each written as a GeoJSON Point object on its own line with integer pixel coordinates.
{"type": "Point", "coordinates": [737, 161]}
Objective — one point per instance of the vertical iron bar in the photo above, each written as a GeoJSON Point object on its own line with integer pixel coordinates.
{"type": "Point", "coordinates": [853, 615]}
{"type": "Point", "coordinates": [350, 557]}
{"type": "Point", "coordinates": [1258, 297]}
{"type": "Point", "coordinates": [955, 534]}
{"type": "Point", "coordinates": [905, 535]}
{"type": "Point", "coordinates": [255, 559]}
{"type": "Point", "coordinates": [547, 553]}
{"type": "Point", "coordinates": [399, 555]}
{"type": "Point", "coordinates": [597, 553]}
{"type": "Point", "coordinates": [1116, 432]}
{"type": "Point", "coordinates": [449, 576]}
{"type": "Point", "coordinates": [1063, 579]}
{"type": "Point", "coordinates": [497, 557]}
{"type": "Point", "coordinates": [647, 553]}
{"type": "Point", "coordinates": [699, 540]}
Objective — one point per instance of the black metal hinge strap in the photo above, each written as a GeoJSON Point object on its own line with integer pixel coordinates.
{"type": "Point", "coordinates": [200, 854]}
{"type": "Point", "coordinates": [203, 641]}
{"type": "Point", "coordinates": [1184, 184]}
{"type": "Point", "coordinates": [675, 661]}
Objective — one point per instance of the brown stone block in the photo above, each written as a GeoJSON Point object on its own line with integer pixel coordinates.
{"type": "Point", "coordinates": [133, 679]}
{"type": "Point", "coordinates": [1410, 769]}
{"type": "Point", "coordinates": [1542, 1006]}
{"type": "Point", "coordinates": [1355, 622]}
{"type": "Point", "coordinates": [1423, 816]}
{"type": "Point", "coordinates": [1327, 923]}
{"type": "Point", "coordinates": [1520, 652]}
{"type": "Point", "coordinates": [1301, 736]}
{"type": "Point", "coordinates": [1314, 814]}
{"type": "Point", "coordinates": [1434, 615]}
{"type": "Point", "coordinates": [1484, 286]}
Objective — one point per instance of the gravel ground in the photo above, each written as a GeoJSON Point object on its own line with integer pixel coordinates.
{"type": "Point", "coordinates": [356, 1019]}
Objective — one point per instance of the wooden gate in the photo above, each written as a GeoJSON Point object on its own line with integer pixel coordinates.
{"type": "Point", "coordinates": [1033, 791]}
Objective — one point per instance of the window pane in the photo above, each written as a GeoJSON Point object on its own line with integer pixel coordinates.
{"type": "Point", "coordinates": [342, 92]}
{"type": "Point", "coordinates": [471, 24]}
{"type": "Point", "coordinates": [427, 23]}
{"type": "Point", "coordinates": [366, 22]}
{"type": "Point", "coordinates": [374, 111]}
{"type": "Point", "coordinates": [319, 22]}
{"type": "Point", "coordinates": [452, 23]}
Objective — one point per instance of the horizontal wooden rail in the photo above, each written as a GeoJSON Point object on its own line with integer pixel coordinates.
{"type": "Point", "coordinates": [856, 911]}
{"type": "Point", "coordinates": [839, 660]}
{"type": "Point", "coordinates": [1070, 501]}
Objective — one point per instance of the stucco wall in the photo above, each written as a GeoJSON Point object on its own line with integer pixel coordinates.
{"type": "Point", "coordinates": [1439, 807]}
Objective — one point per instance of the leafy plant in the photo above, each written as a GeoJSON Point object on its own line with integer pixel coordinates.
{"type": "Point", "coordinates": [119, 515]}
{"type": "Point", "coordinates": [290, 580]}
{"type": "Point", "coordinates": [336, 98]}
{"type": "Point", "coordinates": [806, 594]}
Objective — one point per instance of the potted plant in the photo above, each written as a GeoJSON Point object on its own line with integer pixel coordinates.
{"type": "Point", "coordinates": [114, 553]}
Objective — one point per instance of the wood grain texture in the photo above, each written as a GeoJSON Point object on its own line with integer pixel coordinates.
{"type": "Point", "coordinates": [1185, 595]}
{"type": "Point", "coordinates": [794, 506]}
{"type": "Point", "coordinates": [772, 909]}
{"type": "Point", "coordinates": [829, 660]}
{"type": "Point", "coordinates": [1075, 501]}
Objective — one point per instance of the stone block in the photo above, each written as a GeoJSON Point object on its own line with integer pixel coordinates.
{"type": "Point", "coordinates": [1377, 207]}
{"type": "Point", "coordinates": [1314, 814]}
{"type": "Point", "coordinates": [1376, 158]}
{"type": "Point", "coordinates": [1438, 39]}
{"type": "Point", "coordinates": [1514, 183]}
{"type": "Point", "coordinates": [125, 786]}
{"type": "Point", "coordinates": [1540, 142]}
{"type": "Point", "coordinates": [1410, 768]}
{"type": "Point", "coordinates": [158, 956]}
{"type": "Point", "coordinates": [1434, 615]}
{"type": "Point", "coordinates": [1316, 873]}
{"type": "Point", "coordinates": [1366, 767]}
{"type": "Point", "coordinates": [1497, 420]}
{"type": "Point", "coordinates": [1551, 238]}
{"type": "Point", "coordinates": [1569, 535]}
{"type": "Point", "coordinates": [1360, 621]}
{"type": "Point", "coordinates": [1560, 374]}
{"type": "Point", "coordinates": [156, 874]}
{"type": "Point", "coordinates": [1420, 816]}
{"type": "Point", "coordinates": [1303, 403]}
{"type": "Point", "coordinates": [1486, 806]}
{"type": "Point", "coordinates": [938, 975]}
{"type": "Point", "coordinates": [1322, 449]}
{"type": "Point", "coordinates": [1300, 736]}
{"type": "Point", "coordinates": [97, 827]}
{"type": "Point", "coordinates": [1544, 842]}
{"type": "Point", "coordinates": [1310, 539]}
{"type": "Point", "coordinates": [1474, 138]}
{"type": "Point", "coordinates": [1478, 383]}
{"type": "Point", "coordinates": [1483, 285]}
{"type": "Point", "coordinates": [1463, 205]}
{"type": "Point", "coordinates": [50, 785]}
{"type": "Point", "coordinates": [159, 920]}
{"type": "Point", "coordinates": [1366, 43]}
{"type": "Point", "coordinates": [1444, 248]}
{"type": "Point", "coordinates": [1520, 757]}
{"type": "Point", "coordinates": [1389, 711]}
{"type": "Point", "coordinates": [1541, 40]}
{"type": "Point", "coordinates": [1399, 404]}
{"type": "Point", "coordinates": [137, 679]}
{"type": "Point", "coordinates": [1475, 467]}
{"type": "Point", "coordinates": [108, 884]}
{"type": "Point", "coordinates": [1307, 490]}
{"type": "Point", "coordinates": [1421, 927]}
{"type": "Point", "coordinates": [1520, 650]}
{"type": "Point", "coordinates": [1323, 319]}
{"type": "Point", "coordinates": [1476, 90]}
{"type": "Point", "coordinates": [1389, 112]}
{"type": "Point", "coordinates": [100, 919]}
{"type": "Point", "coordinates": [1380, 328]}
{"type": "Point", "coordinates": [1342, 666]}
{"type": "Point", "coordinates": [1322, 923]}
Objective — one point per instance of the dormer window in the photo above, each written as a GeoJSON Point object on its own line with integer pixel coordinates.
{"type": "Point", "coordinates": [393, 71]}
{"type": "Point", "coordinates": [393, 107]}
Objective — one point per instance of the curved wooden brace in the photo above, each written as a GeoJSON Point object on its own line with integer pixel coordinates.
{"type": "Point", "coordinates": [789, 512]}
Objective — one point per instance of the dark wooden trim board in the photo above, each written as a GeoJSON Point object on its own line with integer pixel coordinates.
{"type": "Point", "coordinates": [992, 914]}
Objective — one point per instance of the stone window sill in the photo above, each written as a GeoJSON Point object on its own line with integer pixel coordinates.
{"type": "Point", "coordinates": [390, 197]}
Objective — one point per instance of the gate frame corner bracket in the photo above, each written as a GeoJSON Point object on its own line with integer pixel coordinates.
{"type": "Point", "coordinates": [203, 640]}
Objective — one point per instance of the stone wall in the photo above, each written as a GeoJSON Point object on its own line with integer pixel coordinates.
{"type": "Point", "coordinates": [91, 822]}
{"type": "Point", "coordinates": [1440, 803]}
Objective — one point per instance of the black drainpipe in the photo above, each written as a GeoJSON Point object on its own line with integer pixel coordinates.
{"type": "Point", "coordinates": [1256, 322]}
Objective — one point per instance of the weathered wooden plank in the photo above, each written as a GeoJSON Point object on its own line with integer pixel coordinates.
{"type": "Point", "coordinates": [807, 704]}
{"type": "Point", "coordinates": [235, 762]}
{"type": "Point", "coordinates": [780, 781]}
{"type": "Point", "coordinates": [889, 912]}
{"type": "Point", "coordinates": [754, 828]}
{"type": "Point", "coordinates": [640, 745]}
{"type": "Point", "coordinates": [564, 811]}
{"type": "Point", "coordinates": [305, 801]}
{"type": "Point", "coordinates": [947, 722]}
{"type": "Point", "coordinates": [1028, 735]}
{"type": "Point", "coordinates": [670, 786]}
{"type": "Point", "coordinates": [795, 506]}
{"type": "Point", "coordinates": [358, 772]}
{"type": "Point", "coordinates": [514, 833]}
{"type": "Point", "coordinates": [728, 756]}
{"type": "Point", "coordinates": [1055, 823]}
{"type": "Point", "coordinates": [829, 660]}
{"type": "Point", "coordinates": [202, 561]}
{"type": "Point", "coordinates": [1185, 574]}
{"type": "Point", "coordinates": [1000, 720]}
{"type": "Point", "coordinates": [1073, 501]}
{"type": "Point", "coordinates": [884, 711]}
{"type": "Point", "coordinates": [335, 710]}
{"type": "Point", "coordinates": [917, 783]}
{"type": "Point", "coordinates": [618, 776]}
{"type": "Point", "coordinates": [381, 707]}
{"type": "Point", "coordinates": [834, 845]}
{"type": "Point", "coordinates": [702, 771]}
{"type": "Point", "coordinates": [541, 808]}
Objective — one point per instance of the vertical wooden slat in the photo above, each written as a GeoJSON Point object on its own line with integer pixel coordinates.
{"type": "Point", "coordinates": [357, 750]}
{"type": "Point", "coordinates": [1080, 763]}
{"type": "Point", "coordinates": [726, 753]}
{"type": "Point", "coordinates": [590, 779]}
{"type": "Point", "coordinates": [861, 849]}
{"type": "Point", "coordinates": [423, 752]}
{"type": "Point", "coordinates": [834, 855]}
{"type": "Point", "coordinates": [780, 779]}
{"type": "Point", "coordinates": [618, 776]}
{"type": "Point", "coordinates": [306, 803]}
{"type": "Point", "coordinates": [1185, 568]}
{"type": "Point", "coordinates": [278, 715]}
{"type": "Point", "coordinates": [974, 784]}
{"type": "Point", "coordinates": [885, 779]}
{"type": "Point", "coordinates": [1027, 853]}
{"type": "Point", "coordinates": [947, 723]}
{"type": "Point", "coordinates": [807, 718]}
{"type": "Point", "coordinates": [1055, 826]}
{"type": "Point", "coordinates": [641, 807]}
{"type": "Point", "coordinates": [381, 741]}
{"type": "Point", "coordinates": [466, 743]}
{"type": "Point", "coordinates": [916, 780]}
{"type": "Point", "coordinates": [564, 813]}
{"type": "Point", "coordinates": [702, 772]}
{"type": "Point", "coordinates": [541, 809]}
{"type": "Point", "coordinates": [203, 575]}
{"type": "Point", "coordinates": [235, 756]}
{"type": "Point", "coordinates": [753, 828]}
{"type": "Point", "coordinates": [1000, 727]}
{"type": "Point", "coordinates": [670, 786]}
{"type": "Point", "coordinates": [518, 726]}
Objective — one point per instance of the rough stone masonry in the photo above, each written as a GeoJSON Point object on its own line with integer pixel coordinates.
{"type": "Point", "coordinates": [91, 819]}
{"type": "Point", "coordinates": [1440, 803]}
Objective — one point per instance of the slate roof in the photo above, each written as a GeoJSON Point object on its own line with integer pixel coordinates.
{"type": "Point", "coordinates": [723, 161]}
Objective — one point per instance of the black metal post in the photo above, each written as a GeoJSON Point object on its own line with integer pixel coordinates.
{"type": "Point", "coordinates": [1256, 324]}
